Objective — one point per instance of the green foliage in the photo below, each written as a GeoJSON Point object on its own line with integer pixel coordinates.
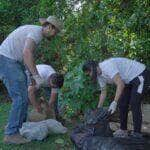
{"type": "Point", "coordinates": [97, 30]}
{"type": "Point", "coordinates": [78, 92]}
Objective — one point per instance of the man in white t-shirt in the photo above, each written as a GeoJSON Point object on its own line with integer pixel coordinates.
{"type": "Point", "coordinates": [52, 83]}
{"type": "Point", "coordinates": [131, 79]}
{"type": "Point", "coordinates": [16, 52]}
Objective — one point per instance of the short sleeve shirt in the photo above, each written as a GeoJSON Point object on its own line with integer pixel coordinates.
{"type": "Point", "coordinates": [12, 47]}
{"type": "Point", "coordinates": [127, 69]}
{"type": "Point", "coordinates": [45, 71]}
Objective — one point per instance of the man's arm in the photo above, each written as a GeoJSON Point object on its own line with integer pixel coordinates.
{"type": "Point", "coordinates": [50, 106]}
{"type": "Point", "coordinates": [102, 97]}
{"type": "Point", "coordinates": [28, 58]}
{"type": "Point", "coordinates": [120, 86]}
{"type": "Point", "coordinates": [32, 98]}
{"type": "Point", "coordinates": [52, 99]}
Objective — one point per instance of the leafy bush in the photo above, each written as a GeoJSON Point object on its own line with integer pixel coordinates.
{"type": "Point", "coordinates": [97, 30]}
{"type": "Point", "coordinates": [78, 92]}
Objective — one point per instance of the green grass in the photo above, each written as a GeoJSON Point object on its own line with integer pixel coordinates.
{"type": "Point", "coordinates": [49, 143]}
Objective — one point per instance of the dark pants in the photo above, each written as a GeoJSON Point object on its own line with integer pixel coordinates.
{"type": "Point", "coordinates": [133, 95]}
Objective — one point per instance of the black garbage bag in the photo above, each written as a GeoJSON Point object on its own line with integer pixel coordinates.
{"type": "Point", "coordinates": [96, 124]}
{"type": "Point", "coordinates": [98, 121]}
{"type": "Point", "coordinates": [96, 116]}
{"type": "Point", "coordinates": [110, 143]}
{"type": "Point", "coordinates": [95, 134]}
{"type": "Point", "coordinates": [80, 134]}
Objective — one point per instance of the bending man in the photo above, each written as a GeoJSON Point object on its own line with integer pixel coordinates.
{"type": "Point", "coordinates": [16, 52]}
{"type": "Point", "coordinates": [131, 79]}
{"type": "Point", "coordinates": [52, 83]}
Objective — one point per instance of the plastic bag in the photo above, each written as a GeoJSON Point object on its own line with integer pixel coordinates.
{"type": "Point", "coordinates": [40, 130]}
{"type": "Point", "coordinates": [95, 134]}
{"type": "Point", "coordinates": [111, 143]}
{"type": "Point", "coordinates": [95, 124]}
{"type": "Point", "coordinates": [55, 126]}
{"type": "Point", "coordinates": [34, 130]}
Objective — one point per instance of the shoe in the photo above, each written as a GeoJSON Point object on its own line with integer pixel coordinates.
{"type": "Point", "coordinates": [121, 133]}
{"type": "Point", "coordinates": [136, 135]}
{"type": "Point", "coordinates": [15, 139]}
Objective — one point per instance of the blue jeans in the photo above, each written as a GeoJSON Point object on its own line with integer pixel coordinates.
{"type": "Point", "coordinates": [12, 73]}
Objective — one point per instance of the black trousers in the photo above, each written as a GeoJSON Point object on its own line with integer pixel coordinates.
{"type": "Point", "coordinates": [132, 96]}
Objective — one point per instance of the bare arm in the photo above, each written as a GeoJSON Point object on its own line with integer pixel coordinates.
{"type": "Point", "coordinates": [102, 97]}
{"type": "Point", "coordinates": [32, 98]}
{"type": "Point", "coordinates": [28, 58]}
{"type": "Point", "coordinates": [52, 99]}
{"type": "Point", "coordinates": [120, 86]}
{"type": "Point", "coordinates": [50, 106]}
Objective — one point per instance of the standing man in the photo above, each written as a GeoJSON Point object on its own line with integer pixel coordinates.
{"type": "Point", "coordinates": [16, 52]}
{"type": "Point", "coordinates": [131, 79]}
{"type": "Point", "coordinates": [52, 83]}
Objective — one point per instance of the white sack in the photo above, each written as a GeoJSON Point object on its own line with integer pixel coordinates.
{"type": "Point", "coordinates": [40, 130]}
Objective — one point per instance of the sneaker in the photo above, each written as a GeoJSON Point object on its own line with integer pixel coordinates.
{"type": "Point", "coordinates": [121, 133]}
{"type": "Point", "coordinates": [15, 139]}
{"type": "Point", "coordinates": [136, 135]}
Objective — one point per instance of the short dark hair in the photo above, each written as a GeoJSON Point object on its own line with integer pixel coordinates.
{"type": "Point", "coordinates": [57, 79]}
{"type": "Point", "coordinates": [91, 65]}
{"type": "Point", "coordinates": [45, 24]}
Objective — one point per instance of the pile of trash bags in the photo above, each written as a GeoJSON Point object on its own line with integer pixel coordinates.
{"type": "Point", "coordinates": [40, 130]}
{"type": "Point", "coordinates": [95, 134]}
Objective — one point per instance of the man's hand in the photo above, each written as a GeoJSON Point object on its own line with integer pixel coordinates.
{"type": "Point", "coordinates": [39, 108]}
{"type": "Point", "coordinates": [112, 107]}
{"type": "Point", "coordinates": [39, 81]}
{"type": "Point", "coordinates": [50, 112]}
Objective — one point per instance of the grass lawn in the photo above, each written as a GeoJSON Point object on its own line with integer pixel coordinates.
{"type": "Point", "coordinates": [51, 143]}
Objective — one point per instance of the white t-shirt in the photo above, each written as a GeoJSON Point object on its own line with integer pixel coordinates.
{"type": "Point", "coordinates": [12, 47]}
{"type": "Point", "coordinates": [127, 69]}
{"type": "Point", "coordinates": [45, 71]}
